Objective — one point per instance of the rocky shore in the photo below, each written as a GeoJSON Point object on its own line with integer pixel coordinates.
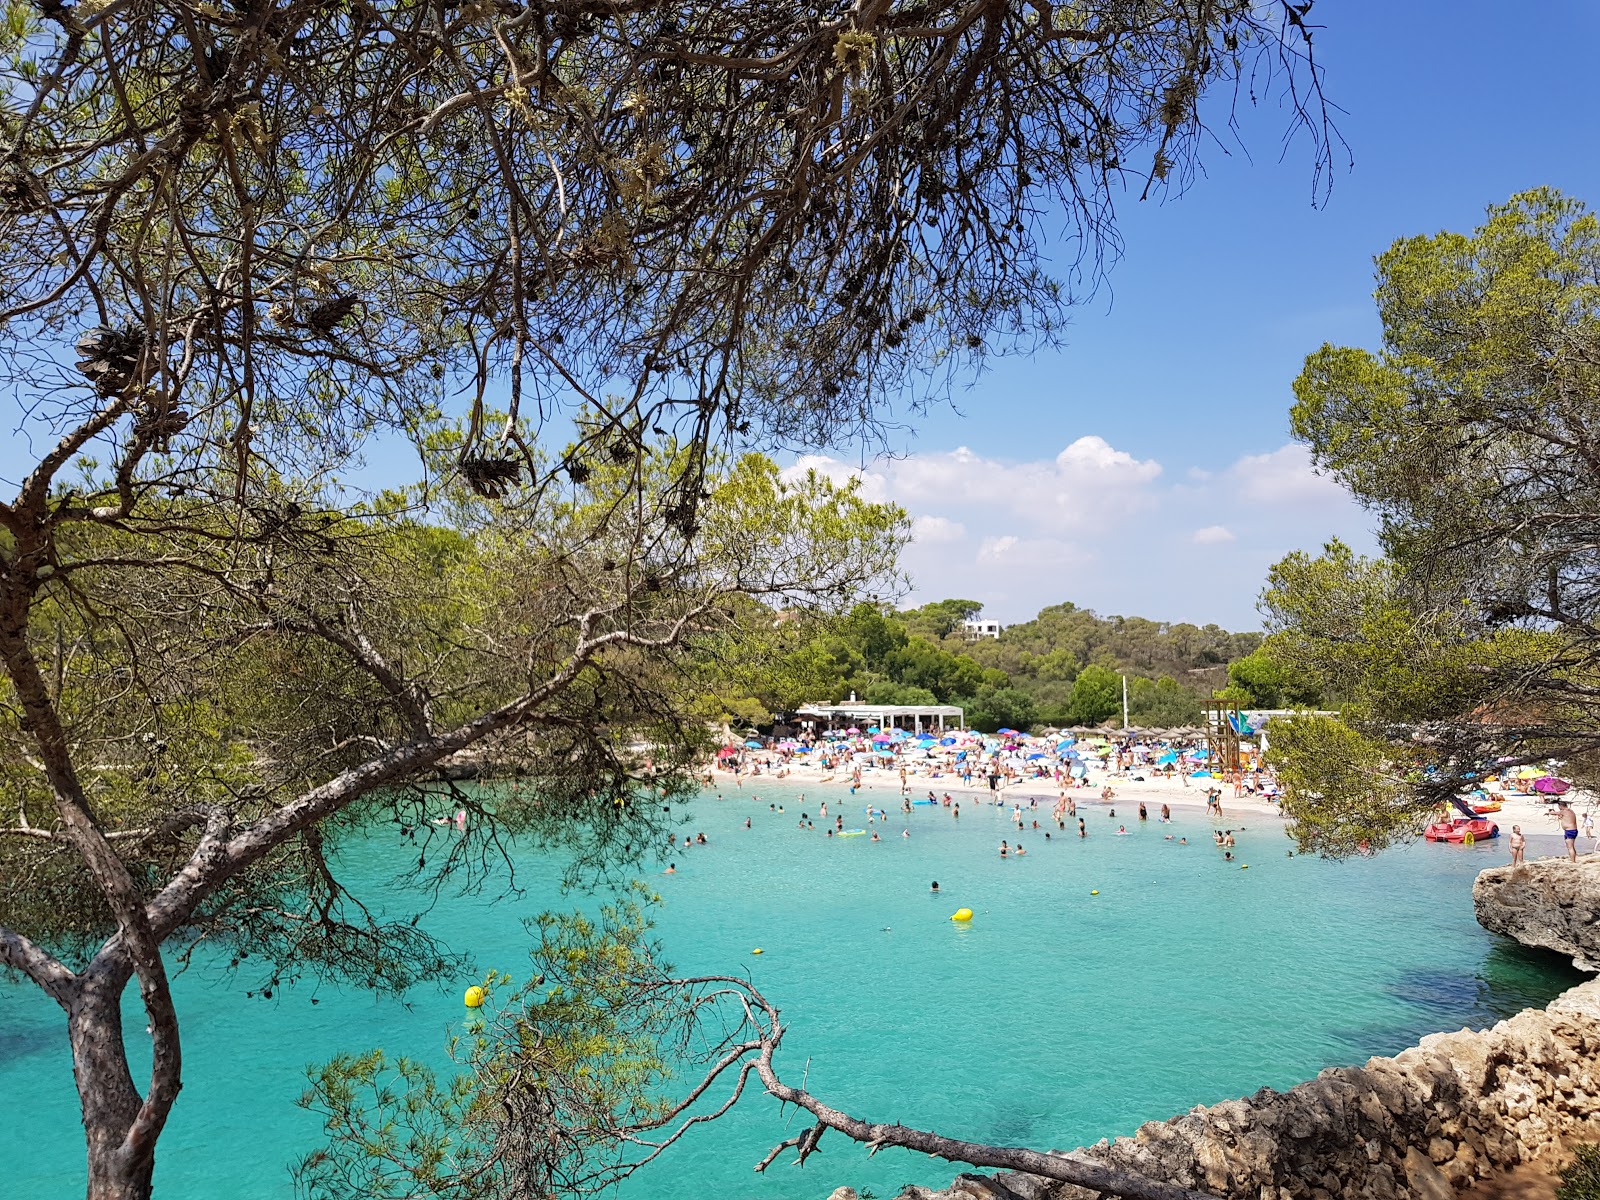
{"type": "Point", "coordinates": [1452, 1110]}
{"type": "Point", "coordinates": [1552, 903]}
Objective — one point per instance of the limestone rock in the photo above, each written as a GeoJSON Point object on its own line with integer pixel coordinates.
{"type": "Point", "coordinates": [1552, 903]}
{"type": "Point", "coordinates": [844, 1193]}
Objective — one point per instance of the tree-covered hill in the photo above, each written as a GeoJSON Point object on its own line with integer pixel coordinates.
{"type": "Point", "coordinates": [1064, 667]}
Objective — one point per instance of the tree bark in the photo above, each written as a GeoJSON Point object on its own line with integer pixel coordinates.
{"type": "Point", "coordinates": [120, 1168]}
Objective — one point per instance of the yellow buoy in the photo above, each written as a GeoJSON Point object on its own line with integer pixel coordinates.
{"type": "Point", "coordinates": [1245, 867]}
{"type": "Point", "coordinates": [474, 997]}
{"type": "Point", "coordinates": [1095, 892]}
{"type": "Point", "coordinates": [758, 950]}
{"type": "Point", "coordinates": [1467, 839]}
{"type": "Point", "coordinates": [961, 914]}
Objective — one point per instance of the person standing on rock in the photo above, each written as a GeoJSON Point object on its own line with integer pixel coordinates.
{"type": "Point", "coordinates": [1518, 845]}
{"type": "Point", "coordinates": [1569, 827]}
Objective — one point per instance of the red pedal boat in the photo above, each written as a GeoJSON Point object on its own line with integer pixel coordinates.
{"type": "Point", "coordinates": [1456, 830]}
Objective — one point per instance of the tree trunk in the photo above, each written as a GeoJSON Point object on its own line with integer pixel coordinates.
{"type": "Point", "coordinates": [106, 1090]}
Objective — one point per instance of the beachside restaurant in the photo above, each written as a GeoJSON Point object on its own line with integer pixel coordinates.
{"type": "Point", "coordinates": [913, 718]}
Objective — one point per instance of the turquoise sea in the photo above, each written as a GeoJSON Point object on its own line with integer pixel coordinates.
{"type": "Point", "coordinates": [1055, 1018]}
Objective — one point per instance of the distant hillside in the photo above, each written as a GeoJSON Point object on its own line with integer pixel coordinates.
{"type": "Point", "coordinates": [1064, 667]}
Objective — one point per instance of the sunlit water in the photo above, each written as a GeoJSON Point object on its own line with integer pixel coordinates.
{"type": "Point", "coordinates": [1055, 1018]}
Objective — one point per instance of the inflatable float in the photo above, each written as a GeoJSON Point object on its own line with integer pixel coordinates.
{"type": "Point", "coordinates": [851, 833]}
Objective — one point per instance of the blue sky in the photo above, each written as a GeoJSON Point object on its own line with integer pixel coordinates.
{"type": "Point", "coordinates": [1145, 468]}
{"type": "Point", "coordinates": [1179, 371]}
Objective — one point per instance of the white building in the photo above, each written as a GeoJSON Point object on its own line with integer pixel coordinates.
{"type": "Point", "coordinates": [977, 627]}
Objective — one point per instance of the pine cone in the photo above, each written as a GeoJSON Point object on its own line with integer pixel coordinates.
{"type": "Point", "coordinates": [109, 357]}
{"type": "Point", "coordinates": [327, 315]}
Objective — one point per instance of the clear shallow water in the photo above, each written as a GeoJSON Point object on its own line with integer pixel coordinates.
{"type": "Point", "coordinates": [1053, 1019]}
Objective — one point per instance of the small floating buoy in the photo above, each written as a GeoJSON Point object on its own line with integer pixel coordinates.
{"type": "Point", "coordinates": [961, 914]}
{"type": "Point", "coordinates": [758, 950]}
{"type": "Point", "coordinates": [1244, 866]}
{"type": "Point", "coordinates": [474, 997]}
{"type": "Point", "coordinates": [1094, 892]}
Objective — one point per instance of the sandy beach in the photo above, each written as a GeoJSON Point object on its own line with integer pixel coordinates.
{"type": "Point", "coordinates": [1534, 813]}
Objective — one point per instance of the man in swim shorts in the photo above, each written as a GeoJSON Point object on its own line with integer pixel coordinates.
{"type": "Point", "coordinates": [1569, 827]}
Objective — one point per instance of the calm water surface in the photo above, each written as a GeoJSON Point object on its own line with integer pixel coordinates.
{"type": "Point", "coordinates": [1055, 1018]}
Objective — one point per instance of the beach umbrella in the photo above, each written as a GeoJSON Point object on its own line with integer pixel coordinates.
{"type": "Point", "coordinates": [947, 741]}
{"type": "Point", "coordinates": [752, 744]}
{"type": "Point", "coordinates": [727, 752]}
{"type": "Point", "coordinates": [1031, 757]}
{"type": "Point", "coordinates": [1550, 785]}
{"type": "Point", "coordinates": [885, 753]}
{"type": "Point", "coordinates": [1201, 775]}
{"type": "Point", "coordinates": [852, 731]}
{"type": "Point", "coordinates": [1529, 773]}
{"type": "Point", "coordinates": [1171, 756]}
{"type": "Point", "coordinates": [802, 749]}
{"type": "Point", "coordinates": [898, 735]}
{"type": "Point", "coordinates": [1199, 755]}
{"type": "Point", "coordinates": [881, 738]}
{"type": "Point", "coordinates": [873, 729]}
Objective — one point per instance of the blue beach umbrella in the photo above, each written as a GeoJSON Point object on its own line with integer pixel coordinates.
{"type": "Point", "coordinates": [1031, 757]}
{"type": "Point", "coordinates": [752, 744]}
{"type": "Point", "coordinates": [947, 741]}
{"type": "Point", "coordinates": [1171, 756]}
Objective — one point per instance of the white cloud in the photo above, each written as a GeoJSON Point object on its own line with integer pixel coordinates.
{"type": "Point", "coordinates": [937, 531]}
{"type": "Point", "coordinates": [1009, 550]}
{"type": "Point", "coordinates": [873, 486]}
{"type": "Point", "coordinates": [1284, 476]}
{"type": "Point", "coordinates": [1100, 527]}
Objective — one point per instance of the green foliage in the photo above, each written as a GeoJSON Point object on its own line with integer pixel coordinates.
{"type": "Point", "coordinates": [1001, 707]}
{"type": "Point", "coordinates": [1339, 790]}
{"type": "Point", "coordinates": [941, 618]}
{"type": "Point", "coordinates": [552, 1076]}
{"type": "Point", "coordinates": [1030, 675]}
{"type": "Point", "coordinates": [1264, 682]}
{"type": "Point", "coordinates": [1472, 435]}
{"type": "Point", "coordinates": [1162, 703]}
{"type": "Point", "coordinates": [1580, 1179]}
{"type": "Point", "coordinates": [1096, 695]}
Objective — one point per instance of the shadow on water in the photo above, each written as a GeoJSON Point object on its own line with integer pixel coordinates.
{"type": "Point", "coordinates": [1511, 977]}
{"type": "Point", "coordinates": [23, 1041]}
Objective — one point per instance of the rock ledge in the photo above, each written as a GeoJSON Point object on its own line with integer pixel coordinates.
{"type": "Point", "coordinates": [1551, 903]}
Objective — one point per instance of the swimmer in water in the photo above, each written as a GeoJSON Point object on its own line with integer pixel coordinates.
{"type": "Point", "coordinates": [747, 822]}
{"type": "Point", "coordinates": [1020, 851]}
{"type": "Point", "coordinates": [1083, 830]}
{"type": "Point", "coordinates": [1183, 841]}
{"type": "Point", "coordinates": [905, 833]}
{"type": "Point", "coordinates": [1122, 830]}
{"type": "Point", "coordinates": [1002, 849]}
{"type": "Point", "coordinates": [936, 885]}
{"type": "Point", "coordinates": [875, 836]}
{"type": "Point", "coordinates": [672, 869]}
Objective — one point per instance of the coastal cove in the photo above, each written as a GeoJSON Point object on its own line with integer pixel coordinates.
{"type": "Point", "coordinates": [1055, 1019]}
